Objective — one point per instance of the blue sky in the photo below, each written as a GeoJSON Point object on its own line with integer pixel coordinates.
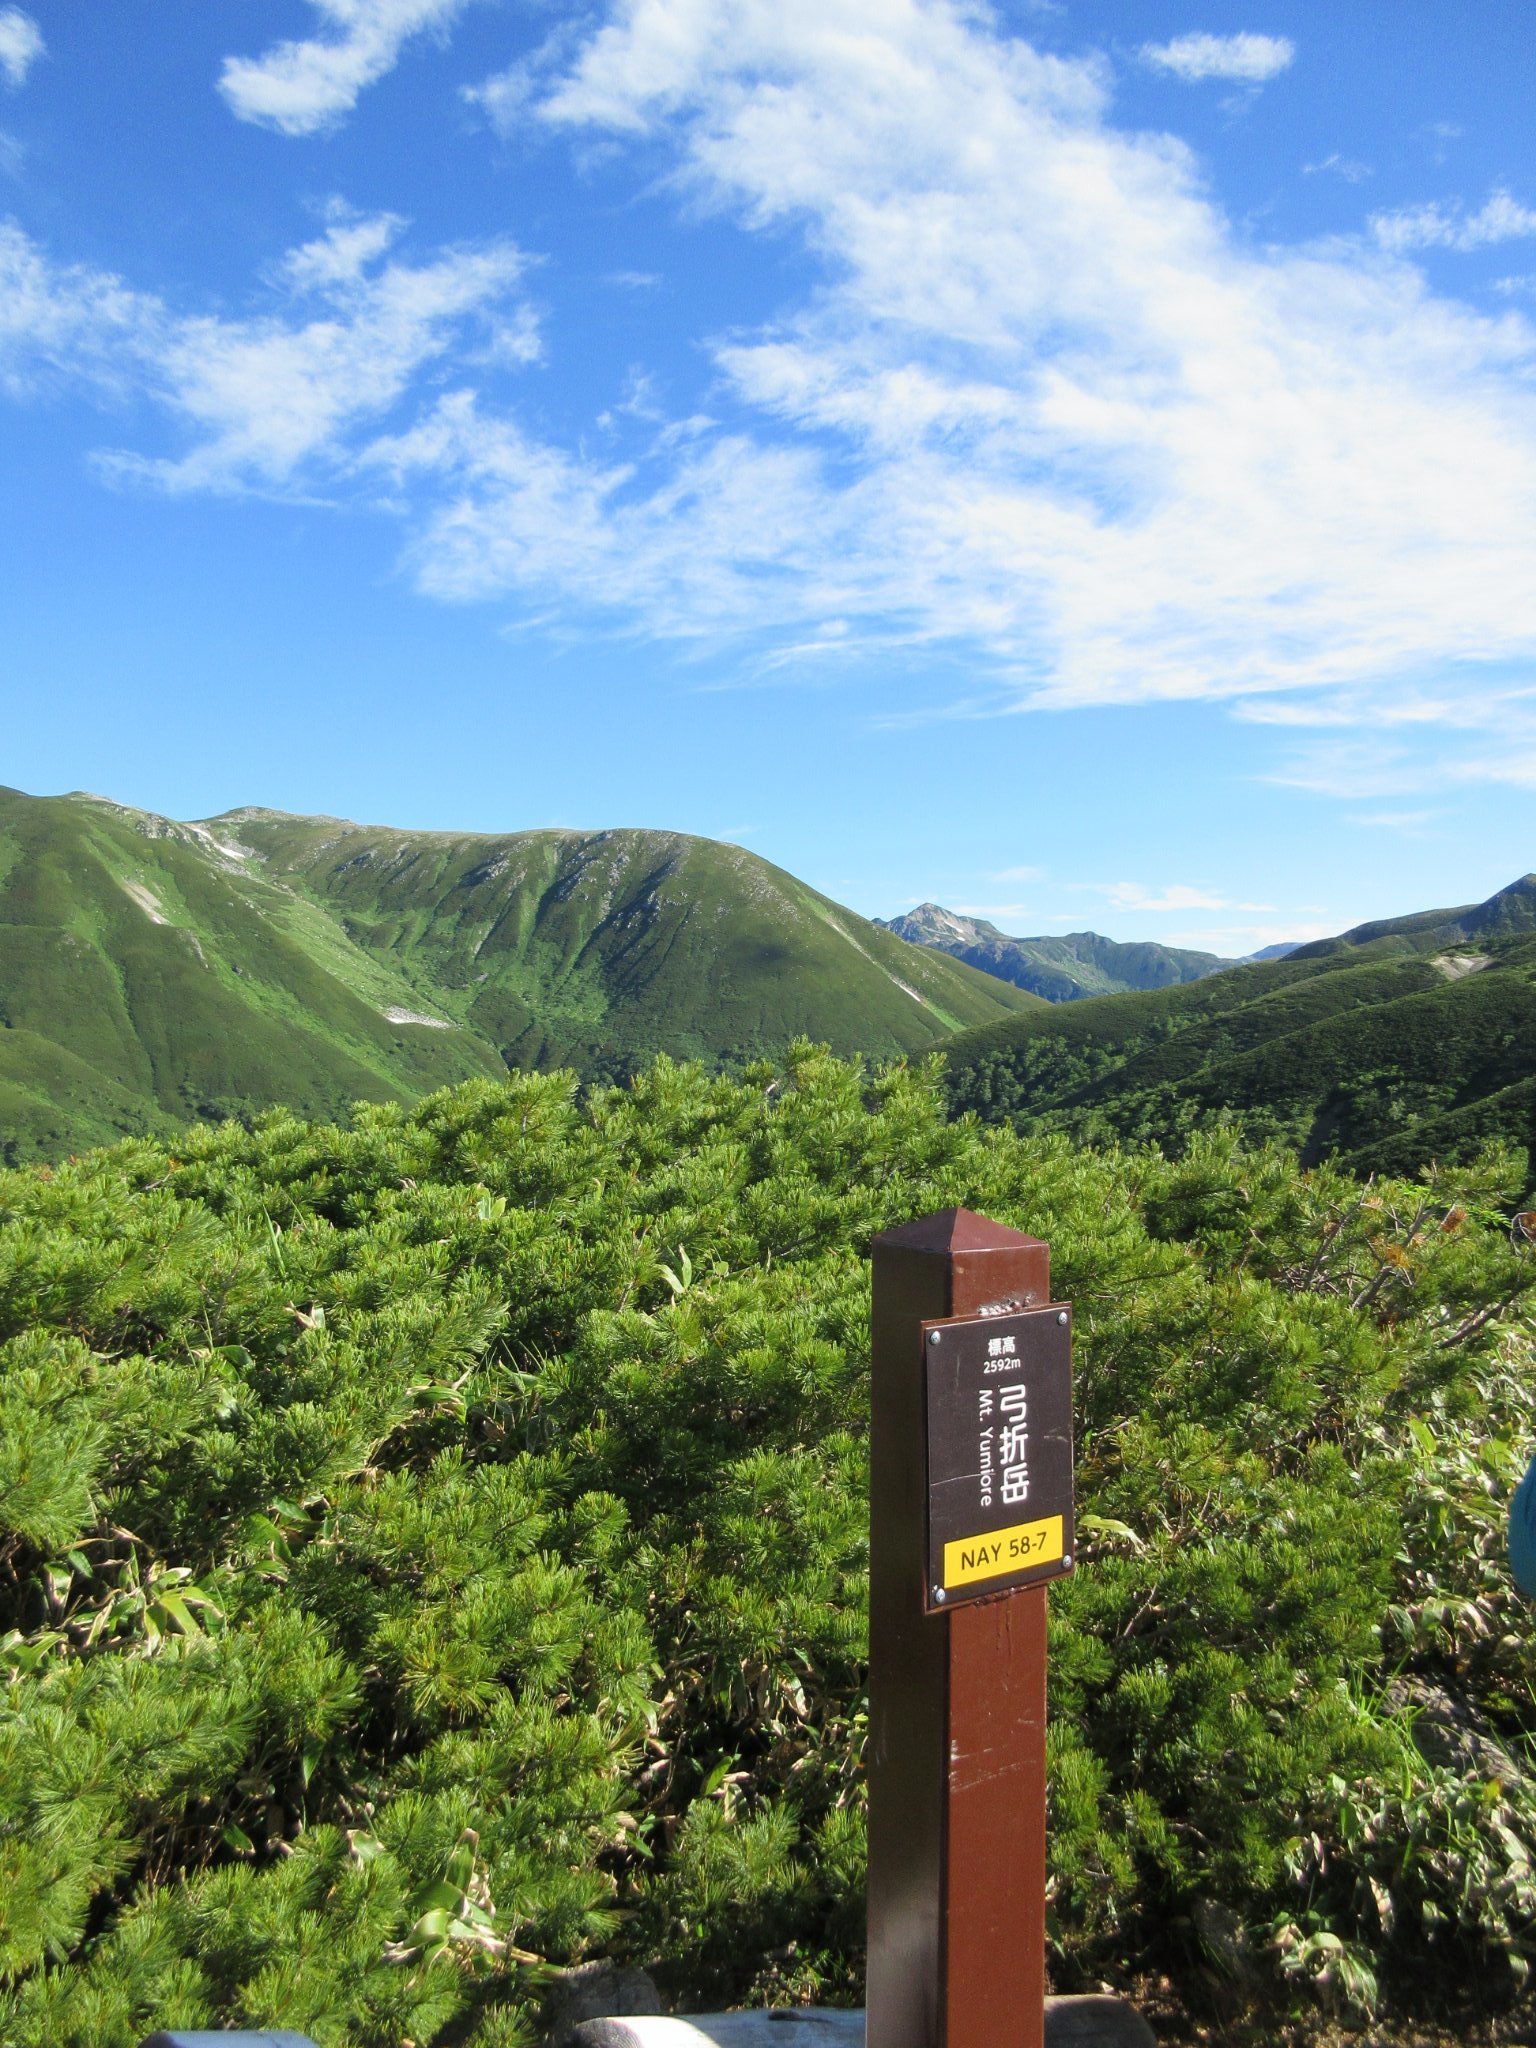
{"type": "Point", "coordinates": [1076, 462]}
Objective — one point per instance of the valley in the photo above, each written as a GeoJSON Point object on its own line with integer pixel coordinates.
{"type": "Point", "coordinates": [1397, 1043]}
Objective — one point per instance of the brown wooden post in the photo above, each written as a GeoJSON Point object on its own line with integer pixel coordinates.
{"type": "Point", "coordinates": [957, 1700]}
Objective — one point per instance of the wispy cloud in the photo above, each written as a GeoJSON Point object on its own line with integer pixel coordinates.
{"type": "Point", "coordinates": [64, 322]}
{"type": "Point", "coordinates": [1501, 218]}
{"type": "Point", "coordinates": [1043, 407]}
{"type": "Point", "coordinates": [1348, 168]}
{"type": "Point", "coordinates": [21, 44]}
{"type": "Point", "coordinates": [1246, 59]}
{"type": "Point", "coordinates": [1485, 745]}
{"type": "Point", "coordinates": [1160, 900]}
{"type": "Point", "coordinates": [1042, 379]}
{"type": "Point", "coordinates": [302, 86]}
{"type": "Point", "coordinates": [273, 402]}
{"type": "Point", "coordinates": [1412, 824]}
{"type": "Point", "coordinates": [1406, 708]}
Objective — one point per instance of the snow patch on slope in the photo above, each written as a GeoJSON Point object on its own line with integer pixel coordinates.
{"type": "Point", "coordinates": [395, 1015]}
{"type": "Point", "coordinates": [905, 986]}
{"type": "Point", "coordinates": [147, 901]}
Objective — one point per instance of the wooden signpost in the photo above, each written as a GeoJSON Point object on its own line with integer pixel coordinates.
{"type": "Point", "coordinates": [970, 1517]}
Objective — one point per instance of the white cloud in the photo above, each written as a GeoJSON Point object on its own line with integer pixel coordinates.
{"type": "Point", "coordinates": [1045, 406]}
{"type": "Point", "coordinates": [1137, 897]}
{"type": "Point", "coordinates": [341, 255]}
{"type": "Point", "coordinates": [1487, 740]}
{"type": "Point", "coordinates": [1412, 823]}
{"type": "Point", "coordinates": [734, 536]}
{"type": "Point", "coordinates": [1407, 707]}
{"type": "Point", "coordinates": [21, 44]}
{"type": "Point", "coordinates": [1348, 168]}
{"type": "Point", "coordinates": [1249, 59]}
{"type": "Point", "coordinates": [1500, 219]}
{"type": "Point", "coordinates": [59, 322]}
{"type": "Point", "coordinates": [299, 87]}
{"type": "Point", "coordinates": [506, 97]}
{"type": "Point", "coordinates": [275, 402]}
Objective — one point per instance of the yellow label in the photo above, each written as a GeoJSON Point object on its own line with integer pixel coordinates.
{"type": "Point", "coordinates": [1002, 1550]}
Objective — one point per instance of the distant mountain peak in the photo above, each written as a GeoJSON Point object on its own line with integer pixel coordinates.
{"type": "Point", "coordinates": [1063, 967]}
{"type": "Point", "coordinates": [248, 814]}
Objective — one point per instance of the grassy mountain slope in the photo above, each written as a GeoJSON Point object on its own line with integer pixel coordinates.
{"type": "Point", "coordinates": [1402, 1042]}
{"type": "Point", "coordinates": [1063, 969]}
{"type": "Point", "coordinates": [152, 971]}
{"type": "Point", "coordinates": [598, 950]}
{"type": "Point", "coordinates": [1506, 914]}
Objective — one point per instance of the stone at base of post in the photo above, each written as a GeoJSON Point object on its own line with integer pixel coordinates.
{"type": "Point", "coordinates": [1095, 2022]}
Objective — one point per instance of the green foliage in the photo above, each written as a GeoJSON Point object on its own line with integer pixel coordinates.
{"type": "Point", "coordinates": [434, 1550]}
{"type": "Point", "coordinates": [1381, 1057]}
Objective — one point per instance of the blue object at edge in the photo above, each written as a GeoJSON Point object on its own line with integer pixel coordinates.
{"type": "Point", "coordinates": [1522, 1533]}
{"type": "Point", "coordinates": [262, 2037]}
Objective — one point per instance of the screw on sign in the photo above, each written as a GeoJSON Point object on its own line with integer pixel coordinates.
{"type": "Point", "coordinates": [971, 1517]}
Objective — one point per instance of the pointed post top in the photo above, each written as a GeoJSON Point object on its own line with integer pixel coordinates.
{"type": "Point", "coordinates": [948, 1231]}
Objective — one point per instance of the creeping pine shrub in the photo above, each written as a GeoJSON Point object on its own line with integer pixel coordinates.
{"type": "Point", "coordinates": [433, 1551]}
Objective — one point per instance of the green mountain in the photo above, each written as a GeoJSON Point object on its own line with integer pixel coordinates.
{"type": "Point", "coordinates": [1063, 970]}
{"type": "Point", "coordinates": [1396, 1043]}
{"type": "Point", "coordinates": [1509, 913]}
{"type": "Point", "coordinates": [600, 949]}
{"type": "Point", "coordinates": [152, 971]}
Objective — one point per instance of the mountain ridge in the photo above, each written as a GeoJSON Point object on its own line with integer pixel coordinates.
{"type": "Point", "coordinates": [1511, 908]}
{"type": "Point", "coordinates": [155, 969]}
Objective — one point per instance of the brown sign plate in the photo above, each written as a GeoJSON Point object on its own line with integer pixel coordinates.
{"type": "Point", "coordinates": [999, 1399]}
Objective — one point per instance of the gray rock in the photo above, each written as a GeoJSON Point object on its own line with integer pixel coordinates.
{"type": "Point", "coordinates": [1223, 1938]}
{"type": "Point", "coordinates": [592, 1994]}
{"type": "Point", "coordinates": [776, 2026]}
{"type": "Point", "coordinates": [1449, 1731]}
{"type": "Point", "coordinates": [1096, 2022]}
